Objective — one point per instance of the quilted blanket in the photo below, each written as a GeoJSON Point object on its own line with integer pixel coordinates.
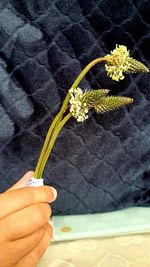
{"type": "Point", "coordinates": [102, 164]}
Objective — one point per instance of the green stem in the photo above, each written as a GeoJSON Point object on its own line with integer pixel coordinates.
{"type": "Point", "coordinates": [46, 142]}
{"type": "Point", "coordinates": [80, 77]}
{"type": "Point", "coordinates": [59, 116]}
{"type": "Point", "coordinates": [52, 142]}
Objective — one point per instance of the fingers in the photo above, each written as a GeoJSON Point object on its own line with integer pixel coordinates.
{"type": "Point", "coordinates": [33, 257]}
{"type": "Point", "coordinates": [12, 201]}
{"type": "Point", "coordinates": [25, 221]}
{"type": "Point", "coordinates": [23, 181]}
{"type": "Point", "coordinates": [23, 246]}
{"type": "Point", "coordinates": [19, 248]}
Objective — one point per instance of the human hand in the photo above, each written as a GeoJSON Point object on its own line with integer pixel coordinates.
{"type": "Point", "coordinates": [24, 229]}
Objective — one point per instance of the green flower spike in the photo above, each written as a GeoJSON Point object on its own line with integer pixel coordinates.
{"type": "Point", "coordinates": [119, 62]}
{"type": "Point", "coordinates": [81, 102]}
{"type": "Point", "coordinates": [110, 103]}
{"type": "Point", "coordinates": [93, 97]}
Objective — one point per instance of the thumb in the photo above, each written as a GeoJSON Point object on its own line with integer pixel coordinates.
{"type": "Point", "coordinates": [23, 181]}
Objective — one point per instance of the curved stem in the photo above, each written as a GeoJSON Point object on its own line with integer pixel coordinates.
{"type": "Point", "coordinates": [59, 116]}
{"type": "Point", "coordinates": [46, 142]}
{"type": "Point", "coordinates": [54, 124]}
{"type": "Point", "coordinates": [52, 142]}
{"type": "Point", "coordinates": [79, 78]}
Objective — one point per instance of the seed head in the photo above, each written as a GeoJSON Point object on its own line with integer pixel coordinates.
{"type": "Point", "coordinates": [119, 62]}
{"type": "Point", "coordinates": [81, 102]}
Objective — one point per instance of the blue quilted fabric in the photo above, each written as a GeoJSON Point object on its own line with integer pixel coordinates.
{"type": "Point", "coordinates": [104, 163]}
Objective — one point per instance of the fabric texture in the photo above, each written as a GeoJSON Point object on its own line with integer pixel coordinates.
{"type": "Point", "coordinates": [120, 251]}
{"type": "Point", "coordinates": [98, 166]}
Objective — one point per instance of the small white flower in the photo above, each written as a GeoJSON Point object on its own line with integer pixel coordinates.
{"type": "Point", "coordinates": [78, 109]}
{"type": "Point", "coordinates": [119, 62]}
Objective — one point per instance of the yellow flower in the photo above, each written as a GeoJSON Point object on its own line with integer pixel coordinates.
{"type": "Point", "coordinates": [77, 108]}
{"type": "Point", "coordinates": [120, 62]}
{"type": "Point", "coordinates": [81, 102]}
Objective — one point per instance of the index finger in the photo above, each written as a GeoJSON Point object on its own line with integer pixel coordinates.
{"type": "Point", "coordinates": [12, 201]}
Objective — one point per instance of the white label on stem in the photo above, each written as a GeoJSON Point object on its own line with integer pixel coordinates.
{"type": "Point", "coordinates": [36, 182]}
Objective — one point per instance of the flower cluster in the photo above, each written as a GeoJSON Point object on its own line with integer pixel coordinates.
{"type": "Point", "coordinates": [78, 109]}
{"type": "Point", "coordinates": [81, 102]}
{"type": "Point", "coordinates": [118, 62]}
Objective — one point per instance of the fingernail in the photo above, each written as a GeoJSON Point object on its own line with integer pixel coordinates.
{"type": "Point", "coordinates": [54, 192]}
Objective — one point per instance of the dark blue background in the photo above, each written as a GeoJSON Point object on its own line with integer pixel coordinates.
{"type": "Point", "coordinates": [104, 163]}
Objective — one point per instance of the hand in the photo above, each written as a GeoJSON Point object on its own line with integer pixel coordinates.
{"type": "Point", "coordinates": [24, 229]}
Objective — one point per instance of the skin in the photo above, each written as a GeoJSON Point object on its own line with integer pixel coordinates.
{"type": "Point", "coordinates": [25, 232]}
